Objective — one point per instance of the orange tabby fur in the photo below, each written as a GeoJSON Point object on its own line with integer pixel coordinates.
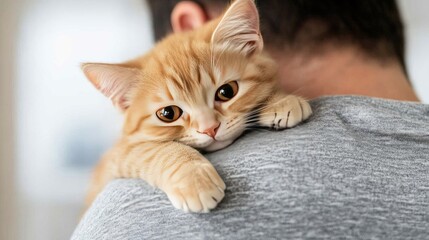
{"type": "Point", "coordinates": [186, 70]}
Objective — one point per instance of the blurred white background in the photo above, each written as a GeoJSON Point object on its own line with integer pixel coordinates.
{"type": "Point", "coordinates": [62, 124]}
{"type": "Point", "coordinates": [56, 124]}
{"type": "Point", "coordinates": [416, 19]}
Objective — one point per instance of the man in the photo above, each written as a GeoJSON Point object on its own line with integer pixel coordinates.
{"type": "Point", "coordinates": [358, 168]}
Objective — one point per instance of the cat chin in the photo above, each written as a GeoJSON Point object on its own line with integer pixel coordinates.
{"type": "Point", "coordinates": [217, 145]}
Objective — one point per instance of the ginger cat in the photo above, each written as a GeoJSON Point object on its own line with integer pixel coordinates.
{"type": "Point", "coordinates": [195, 90]}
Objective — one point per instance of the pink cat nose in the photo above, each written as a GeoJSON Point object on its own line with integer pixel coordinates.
{"type": "Point", "coordinates": [211, 131]}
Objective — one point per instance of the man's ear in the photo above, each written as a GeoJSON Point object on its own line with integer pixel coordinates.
{"type": "Point", "coordinates": [238, 30]}
{"type": "Point", "coordinates": [187, 15]}
{"type": "Point", "coordinates": [113, 80]}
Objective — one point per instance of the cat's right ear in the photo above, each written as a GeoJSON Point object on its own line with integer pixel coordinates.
{"type": "Point", "coordinates": [114, 81]}
{"type": "Point", "coordinates": [238, 30]}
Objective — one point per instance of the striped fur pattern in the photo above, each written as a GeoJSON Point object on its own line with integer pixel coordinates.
{"type": "Point", "coordinates": [187, 70]}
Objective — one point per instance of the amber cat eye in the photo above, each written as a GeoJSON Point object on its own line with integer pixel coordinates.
{"type": "Point", "coordinates": [227, 91]}
{"type": "Point", "coordinates": [169, 114]}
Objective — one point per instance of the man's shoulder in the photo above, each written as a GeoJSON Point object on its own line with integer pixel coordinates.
{"type": "Point", "coordinates": [373, 115]}
{"type": "Point", "coordinates": [369, 105]}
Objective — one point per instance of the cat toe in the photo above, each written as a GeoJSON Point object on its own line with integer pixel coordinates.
{"type": "Point", "coordinates": [178, 200]}
{"type": "Point", "coordinates": [298, 113]}
{"type": "Point", "coordinates": [209, 202]}
{"type": "Point", "coordinates": [306, 110]}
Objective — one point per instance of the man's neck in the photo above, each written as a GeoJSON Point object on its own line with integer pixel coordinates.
{"type": "Point", "coordinates": [342, 71]}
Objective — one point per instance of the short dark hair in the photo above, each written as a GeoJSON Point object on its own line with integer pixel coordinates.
{"type": "Point", "coordinates": [373, 25]}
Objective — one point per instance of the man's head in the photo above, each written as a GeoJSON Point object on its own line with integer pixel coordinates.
{"type": "Point", "coordinates": [372, 25]}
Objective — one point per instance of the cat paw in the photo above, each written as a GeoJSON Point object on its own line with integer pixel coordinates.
{"type": "Point", "coordinates": [197, 190]}
{"type": "Point", "coordinates": [286, 113]}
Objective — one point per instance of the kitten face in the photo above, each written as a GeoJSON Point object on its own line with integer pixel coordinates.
{"type": "Point", "coordinates": [206, 104]}
{"type": "Point", "coordinates": [208, 119]}
{"type": "Point", "coordinates": [198, 88]}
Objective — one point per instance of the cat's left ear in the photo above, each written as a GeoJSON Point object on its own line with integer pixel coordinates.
{"type": "Point", "coordinates": [115, 81]}
{"type": "Point", "coordinates": [238, 30]}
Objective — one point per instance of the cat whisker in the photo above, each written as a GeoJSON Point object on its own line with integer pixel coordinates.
{"type": "Point", "coordinates": [257, 117]}
{"type": "Point", "coordinates": [266, 114]}
{"type": "Point", "coordinates": [297, 91]}
{"type": "Point", "coordinates": [257, 129]}
{"type": "Point", "coordinates": [257, 111]}
{"type": "Point", "coordinates": [254, 120]}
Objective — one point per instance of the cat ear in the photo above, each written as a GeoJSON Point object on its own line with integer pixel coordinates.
{"type": "Point", "coordinates": [114, 81]}
{"type": "Point", "coordinates": [238, 30]}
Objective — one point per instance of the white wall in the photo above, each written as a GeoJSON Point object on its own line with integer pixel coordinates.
{"type": "Point", "coordinates": [416, 19]}
{"type": "Point", "coordinates": [63, 123]}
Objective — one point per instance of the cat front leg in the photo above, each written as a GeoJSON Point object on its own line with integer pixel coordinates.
{"type": "Point", "coordinates": [284, 111]}
{"type": "Point", "coordinates": [189, 180]}
{"type": "Point", "coordinates": [194, 185]}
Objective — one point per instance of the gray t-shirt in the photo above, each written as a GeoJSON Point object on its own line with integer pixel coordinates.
{"type": "Point", "coordinates": [358, 168]}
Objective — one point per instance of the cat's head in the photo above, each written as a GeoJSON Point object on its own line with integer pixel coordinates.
{"type": "Point", "coordinates": [198, 87]}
